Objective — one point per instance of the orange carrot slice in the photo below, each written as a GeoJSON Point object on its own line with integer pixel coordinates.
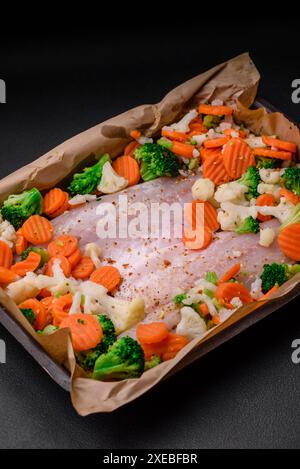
{"type": "Point", "coordinates": [53, 200]}
{"type": "Point", "coordinates": [289, 195]}
{"type": "Point", "coordinates": [6, 255]}
{"type": "Point", "coordinates": [237, 157]}
{"type": "Point", "coordinates": [39, 312]}
{"type": "Point", "coordinates": [289, 241]}
{"type": "Point", "coordinates": [86, 331]}
{"type": "Point", "coordinates": [28, 265]}
{"type": "Point", "coordinates": [63, 208]}
{"type": "Point", "coordinates": [213, 168]}
{"type": "Point", "coordinates": [231, 273]}
{"type": "Point", "coordinates": [131, 147]}
{"type": "Point", "coordinates": [38, 230]}
{"type": "Point", "coordinates": [216, 319]}
{"type": "Point", "coordinates": [207, 152]}
{"type": "Point", "coordinates": [182, 149]}
{"type": "Point", "coordinates": [197, 126]}
{"type": "Point", "coordinates": [265, 200]}
{"type": "Point", "coordinates": [128, 168]}
{"type": "Point", "coordinates": [241, 133]}
{"type": "Point", "coordinates": [60, 308]}
{"type": "Point", "coordinates": [48, 303]}
{"type": "Point", "coordinates": [83, 269]}
{"type": "Point", "coordinates": [173, 135]}
{"type": "Point", "coordinates": [204, 309]}
{"type": "Point", "coordinates": [64, 265]}
{"type": "Point", "coordinates": [43, 319]}
{"type": "Point", "coordinates": [280, 144]}
{"type": "Point", "coordinates": [7, 276]}
{"type": "Point", "coordinates": [155, 349]}
{"type": "Point", "coordinates": [75, 258]}
{"type": "Point", "coordinates": [280, 154]}
{"type": "Point", "coordinates": [175, 343]}
{"type": "Point", "coordinates": [21, 244]}
{"type": "Point", "coordinates": [151, 333]}
{"type": "Point", "coordinates": [209, 214]}
{"type": "Point", "coordinates": [64, 245]}
{"type": "Point", "coordinates": [215, 110]}
{"type": "Point", "coordinates": [135, 134]}
{"type": "Point", "coordinates": [200, 241]}
{"type": "Point", "coordinates": [269, 293]}
{"type": "Point", "coordinates": [44, 293]}
{"type": "Point", "coordinates": [108, 276]}
{"type": "Point", "coordinates": [228, 290]}
{"type": "Point", "coordinates": [215, 142]}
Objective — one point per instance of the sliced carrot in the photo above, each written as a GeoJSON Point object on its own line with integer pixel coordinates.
{"type": "Point", "coordinates": [173, 135]}
{"type": "Point", "coordinates": [64, 245]}
{"type": "Point", "coordinates": [128, 168]}
{"type": "Point", "coordinates": [216, 319]}
{"type": "Point", "coordinates": [43, 318]}
{"type": "Point", "coordinates": [215, 110]}
{"type": "Point", "coordinates": [7, 276]}
{"type": "Point", "coordinates": [135, 134]}
{"type": "Point", "coordinates": [279, 154]}
{"type": "Point", "coordinates": [86, 331]}
{"type": "Point", "coordinates": [265, 200]}
{"type": "Point", "coordinates": [63, 208]}
{"type": "Point", "coordinates": [280, 144]}
{"type": "Point", "coordinates": [197, 126]}
{"type": "Point", "coordinates": [83, 269]}
{"type": "Point", "coordinates": [183, 149]}
{"type": "Point", "coordinates": [6, 255]}
{"type": "Point", "coordinates": [269, 293]}
{"type": "Point", "coordinates": [21, 244]}
{"type": "Point", "coordinates": [44, 293]}
{"type": "Point", "coordinates": [48, 303]}
{"type": "Point", "coordinates": [53, 200]}
{"type": "Point", "coordinates": [200, 241]}
{"type": "Point", "coordinates": [175, 343]}
{"type": "Point", "coordinates": [228, 290]}
{"type": "Point", "coordinates": [60, 308]}
{"type": "Point", "coordinates": [38, 230]}
{"type": "Point", "coordinates": [33, 304]}
{"type": "Point", "coordinates": [64, 265]}
{"type": "Point", "coordinates": [108, 276]}
{"type": "Point", "coordinates": [237, 157]}
{"type": "Point", "coordinates": [241, 133]}
{"type": "Point", "coordinates": [289, 195]}
{"type": "Point", "coordinates": [213, 168]}
{"type": "Point", "coordinates": [204, 309]}
{"type": "Point", "coordinates": [155, 349]}
{"type": "Point", "coordinates": [74, 258]}
{"type": "Point", "coordinates": [151, 333]}
{"type": "Point", "coordinates": [205, 208]}
{"type": "Point", "coordinates": [30, 264]}
{"type": "Point", "coordinates": [231, 273]}
{"type": "Point", "coordinates": [131, 147]}
{"type": "Point", "coordinates": [207, 152]}
{"type": "Point", "coordinates": [289, 241]}
{"type": "Point", "coordinates": [215, 142]}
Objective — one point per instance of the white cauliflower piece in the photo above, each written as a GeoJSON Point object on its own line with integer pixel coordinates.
{"type": "Point", "coordinates": [236, 302]}
{"type": "Point", "coordinates": [231, 215]}
{"type": "Point", "coordinates": [183, 124]}
{"type": "Point", "coordinates": [82, 199]}
{"type": "Point", "coordinates": [255, 142]}
{"type": "Point", "coordinates": [142, 140]}
{"type": "Point", "coordinates": [231, 192]}
{"type": "Point", "coordinates": [266, 237]}
{"type": "Point", "coordinates": [255, 289]}
{"type": "Point", "coordinates": [7, 233]}
{"type": "Point", "coordinates": [191, 325]}
{"type": "Point", "coordinates": [110, 181]}
{"type": "Point", "coordinates": [23, 289]}
{"type": "Point", "coordinates": [281, 211]}
{"type": "Point", "coordinates": [124, 314]}
{"type": "Point", "coordinates": [203, 189]}
{"type": "Point", "coordinates": [269, 176]}
{"type": "Point", "coordinates": [76, 305]}
{"type": "Point", "coordinates": [93, 251]}
{"type": "Point", "coordinates": [273, 189]}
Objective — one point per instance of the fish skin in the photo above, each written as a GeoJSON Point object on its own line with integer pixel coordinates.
{"type": "Point", "coordinates": [154, 268]}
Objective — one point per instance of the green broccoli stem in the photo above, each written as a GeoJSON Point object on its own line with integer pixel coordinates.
{"type": "Point", "coordinates": [18, 208]}
{"type": "Point", "coordinates": [87, 181]}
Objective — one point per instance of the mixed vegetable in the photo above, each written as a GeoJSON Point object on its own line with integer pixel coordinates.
{"type": "Point", "coordinates": [244, 181]}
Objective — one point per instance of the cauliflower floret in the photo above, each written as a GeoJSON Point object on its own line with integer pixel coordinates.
{"type": "Point", "coordinates": [203, 189]}
{"type": "Point", "coordinates": [281, 211]}
{"type": "Point", "coordinates": [269, 176]}
{"type": "Point", "coordinates": [124, 314]}
{"type": "Point", "coordinates": [266, 237]}
{"type": "Point", "coordinates": [23, 289]}
{"type": "Point", "coordinates": [142, 140]}
{"type": "Point", "coordinates": [273, 189]}
{"type": "Point", "coordinates": [200, 139]}
{"type": "Point", "coordinates": [255, 288]}
{"type": "Point", "coordinates": [76, 305]}
{"type": "Point", "coordinates": [255, 142]}
{"type": "Point", "coordinates": [94, 251]}
{"type": "Point", "coordinates": [7, 233]}
{"type": "Point", "coordinates": [82, 199]}
{"type": "Point", "coordinates": [191, 324]}
{"type": "Point", "coordinates": [231, 192]}
{"type": "Point", "coordinates": [230, 216]}
{"type": "Point", "coordinates": [236, 302]}
{"type": "Point", "coordinates": [183, 124]}
{"type": "Point", "coordinates": [110, 181]}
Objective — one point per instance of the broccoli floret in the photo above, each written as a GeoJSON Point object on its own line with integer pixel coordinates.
{"type": "Point", "coordinates": [211, 277]}
{"type": "Point", "coordinates": [267, 163]}
{"type": "Point", "coordinates": [28, 314]}
{"type": "Point", "coordinates": [124, 359]}
{"type": "Point", "coordinates": [249, 225]}
{"type": "Point", "coordinates": [156, 161]}
{"type": "Point", "coordinates": [45, 256]}
{"type": "Point", "coordinates": [154, 361]}
{"type": "Point", "coordinates": [178, 299]}
{"type": "Point", "coordinates": [291, 179]}
{"type": "Point", "coordinates": [88, 359]}
{"type": "Point", "coordinates": [277, 274]}
{"type": "Point", "coordinates": [293, 218]}
{"type": "Point", "coordinates": [17, 208]}
{"type": "Point", "coordinates": [211, 122]}
{"type": "Point", "coordinates": [87, 181]}
{"type": "Point", "coordinates": [251, 179]}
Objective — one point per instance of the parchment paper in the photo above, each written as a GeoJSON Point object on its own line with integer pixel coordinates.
{"type": "Point", "coordinates": [236, 80]}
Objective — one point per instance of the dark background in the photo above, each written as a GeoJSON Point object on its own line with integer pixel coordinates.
{"type": "Point", "coordinates": [62, 81]}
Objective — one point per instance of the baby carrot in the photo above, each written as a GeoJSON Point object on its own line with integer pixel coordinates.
{"type": "Point", "coordinates": [37, 230]}
{"type": "Point", "coordinates": [231, 273]}
{"type": "Point", "coordinates": [83, 269]}
{"type": "Point", "coordinates": [108, 276]}
{"type": "Point", "coordinates": [30, 264]}
{"type": "Point", "coordinates": [279, 154]}
{"type": "Point", "coordinates": [280, 144]}
{"type": "Point", "coordinates": [6, 255]}
{"type": "Point", "coordinates": [151, 333]}
{"type": "Point", "coordinates": [63, 245]}
{"type": "Point", "coordinates": [215, 110]}
{"type": "Point", "coordinates": [265, 200]}
{"type": "Point", "coordinates": [127, 167]}
{"type": "Point", "coordinates": [86, 331]}
{"type": "Point", "coordinates": [289, 241]}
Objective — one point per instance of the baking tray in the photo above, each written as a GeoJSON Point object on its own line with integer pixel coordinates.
{"type": "Point", "coordinates": [62, 376]}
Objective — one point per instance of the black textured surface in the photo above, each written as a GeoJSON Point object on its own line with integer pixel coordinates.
{"type": "Point", "coordinates": [246, 394]}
